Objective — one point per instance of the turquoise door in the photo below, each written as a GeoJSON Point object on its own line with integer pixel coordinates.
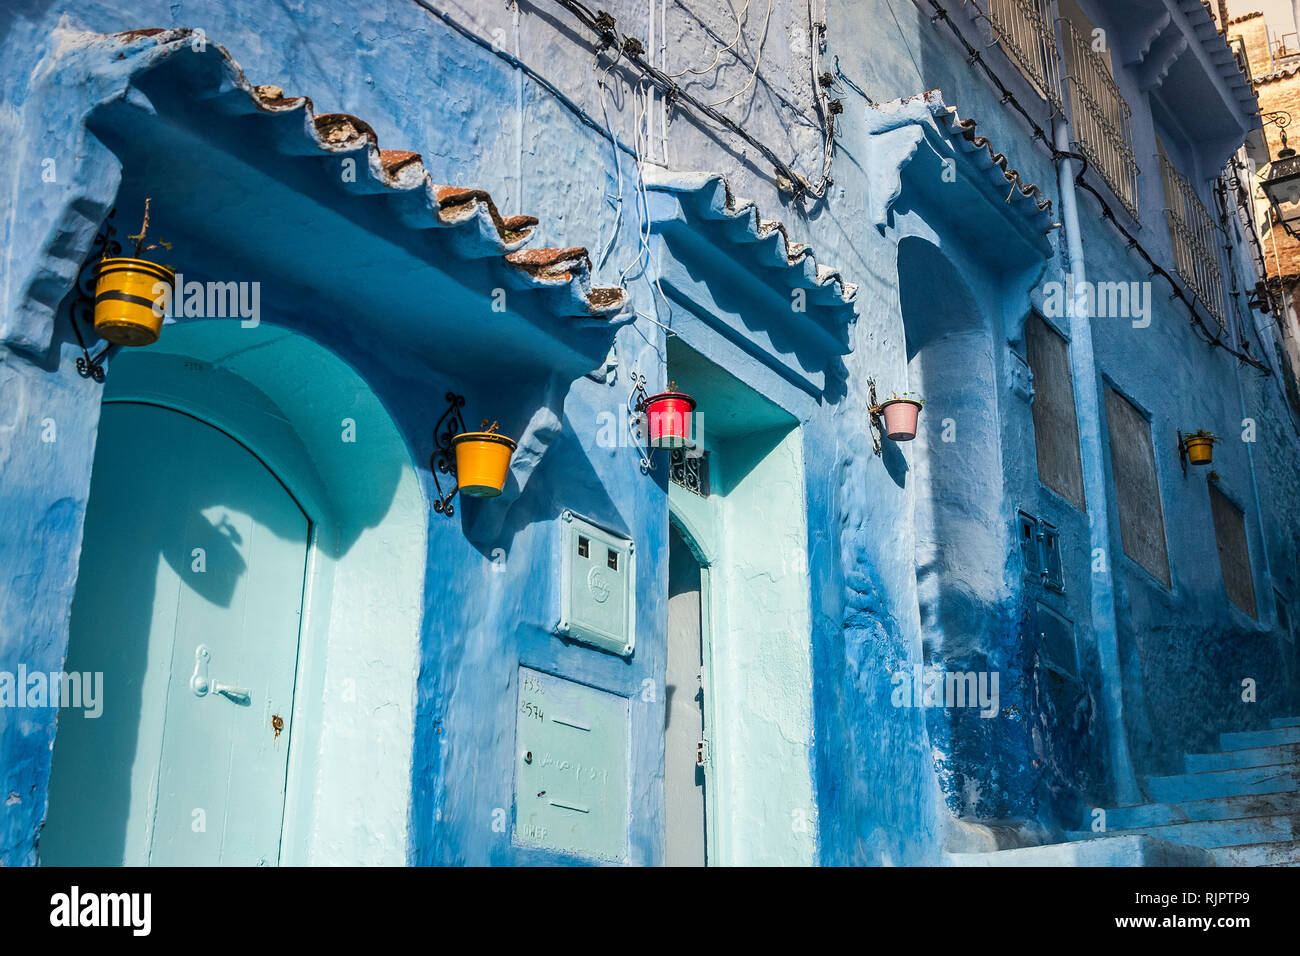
{"type": "Point", "coordinates": [188, 601]}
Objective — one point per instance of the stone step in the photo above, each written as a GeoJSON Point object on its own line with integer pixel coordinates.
{"type": "Point", "coordinates": [1249, 757]}
{"type": "Point", "coordinates": [1190, 811]}
{"type": "Point", "coordinates": [1260, 738]}
{"type": "Point", "coordinates": [1127, 850]}
{"type": "Point", "coordinates": [1259, 854]}
{"type": "Point", "coordinates": [1284, 722]}
{"type": "Point", "coordinates": [1209, 834]}
{"type": "Point", "coordinates": [1224, 783]}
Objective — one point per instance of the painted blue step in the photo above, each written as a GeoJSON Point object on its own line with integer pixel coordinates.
{"type": "Point", "coordinates": [1208, 834]}
{"type": "Point", "coordinates": [1225, 783]}
{"type": "Point", "coordinates": [1259, 738]}
{"type": "Point", "coordinates": [1129, 850]}
{"type": "Point", "coordinates": [1250, 757]}
{"type": "Point", "coordinates": [1221, 808]}
{"type": "Point", "coordinates": [1259, 854]}
{"type": "Point", "coordinates": [1284, 722]}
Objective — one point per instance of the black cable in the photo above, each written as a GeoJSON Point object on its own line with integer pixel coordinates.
{"type": "Point", "coordinates": [974, 56]}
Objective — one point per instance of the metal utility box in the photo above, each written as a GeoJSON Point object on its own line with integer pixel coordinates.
{"type": "Point", "coordinates": [571, 767]}
{"type": "Point", "coordinates": [597, 587]}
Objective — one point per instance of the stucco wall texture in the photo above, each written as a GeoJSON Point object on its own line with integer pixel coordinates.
{"type": "Point", "coordinates": [891, 785]}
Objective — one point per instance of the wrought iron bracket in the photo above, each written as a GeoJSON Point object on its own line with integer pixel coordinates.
{"type": "Point", "coordinates": [443, 459]}
{"type": "Point", "coordinates": [88, 365]}
{"type": "Point", "coordinates": [1182, 451]}
{"type": "Point", "coordinates": [636, 402]}
{"type": "Point", "coordinates": [83, 307]}
{"type": "Point", "coordinates": [873, 413]}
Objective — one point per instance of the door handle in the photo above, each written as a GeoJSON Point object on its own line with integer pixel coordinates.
{"type": "Point", "coordinates": [201, 686]}
{"type": "Point", "coordinates": [239, 695]}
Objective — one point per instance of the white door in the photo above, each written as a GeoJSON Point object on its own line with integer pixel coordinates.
{"type": "Point", "coordinates": [188, 601]}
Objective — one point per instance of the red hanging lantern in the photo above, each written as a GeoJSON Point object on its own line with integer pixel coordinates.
{"type": "Point", "coordinates": [668, 416]}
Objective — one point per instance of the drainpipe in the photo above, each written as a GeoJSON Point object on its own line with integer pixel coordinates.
{"type": "Point", "coordinates": [1088, 397]}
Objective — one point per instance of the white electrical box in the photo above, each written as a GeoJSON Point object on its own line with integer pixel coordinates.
{"type": "Point", "coordinates": [597, 586]}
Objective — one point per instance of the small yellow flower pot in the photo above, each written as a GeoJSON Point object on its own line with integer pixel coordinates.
{"type": "Point", "coordinates": [129, 306]}
{"type": "Point", "coordinates": [482, 462]}
{"type": "Point", "coordinates": [1200, 451]}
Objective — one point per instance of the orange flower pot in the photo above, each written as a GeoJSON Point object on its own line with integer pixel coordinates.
{"type": "Point", "coordinates": [129, 303]}
{"type": "Point", "coordinates": [482, 462]}
{"type": "Point", "coordinates": [1200, 451]}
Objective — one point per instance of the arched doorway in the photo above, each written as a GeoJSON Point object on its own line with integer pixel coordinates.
{"type": "Point", "coordinates": [188, 602]}
{"type": "Point", "coordinates": [959, 489]}
{"type": "Point", "coordinates": [251, 589]}
{"type": "Point", "coordinates": [739, 648]}
{"type": "Point", "coordinates": [957, 456]}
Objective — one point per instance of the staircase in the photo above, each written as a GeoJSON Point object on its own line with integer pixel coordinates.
{"type": "Point", "coordinates": [1241, 804]}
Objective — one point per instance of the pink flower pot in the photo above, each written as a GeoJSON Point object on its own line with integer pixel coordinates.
{"type": "Point", "coordinates": [900, 418]}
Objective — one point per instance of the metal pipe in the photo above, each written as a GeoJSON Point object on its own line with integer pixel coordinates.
{"type": "Point", "coordinates": [1091, 439]}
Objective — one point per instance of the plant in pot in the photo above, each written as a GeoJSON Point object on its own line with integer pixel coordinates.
{"type": "Point", "coordinates": [482, 461]}
{"type": "Point", "coordinates": [668, 416]}
{"type": "Point", "coordinates": [132, 293]}
{"type": "Point", "coordinates": [899, 414]}
{"type": "Point", "coordinates": [1200, 446]}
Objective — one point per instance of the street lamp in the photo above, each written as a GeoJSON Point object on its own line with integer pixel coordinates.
{"type": "Point", "coordinates": [1282, 187]}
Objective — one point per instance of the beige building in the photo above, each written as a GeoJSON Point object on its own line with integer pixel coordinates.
{"type": "Point", "coordinates": [1267, 43]}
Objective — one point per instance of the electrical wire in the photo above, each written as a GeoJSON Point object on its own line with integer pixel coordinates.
{"type": "Point", "coordinates": [1177, 291]}
{"type": "Point", "coordinates": [617, 202]}
{"type": "Point", "coordinates": [582, 115]}
{"type": "Point", "coordinates": [604, 28]}
{"type": "Point", "coordinates": [718, 55]}
{"type": "Point", "coordinates": [758, 61]}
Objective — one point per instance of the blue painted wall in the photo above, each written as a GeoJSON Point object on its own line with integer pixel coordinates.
{"type": "Point", "coordinates": [890, 781]}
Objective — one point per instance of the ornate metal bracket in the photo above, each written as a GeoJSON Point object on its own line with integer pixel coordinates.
{"type": "Point", "coordinates": [1182, 451]}
{"type": "Point", "coordinates": [88, 365]}
{"type": "Point", "coordinates": [636, 402]}
{"type": "Point", "coordinates": [443, 459]}
{"type": "Point", "coordinates": [83, 308]}
{"type": "Point", "coordinates": [873, 413]}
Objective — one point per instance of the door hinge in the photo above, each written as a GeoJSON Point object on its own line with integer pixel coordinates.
{"type": "Point", "coordinates": [703, 756]}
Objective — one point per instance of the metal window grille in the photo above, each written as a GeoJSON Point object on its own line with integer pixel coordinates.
{"type": "Point", "coordinates": [1194, 238]}
{"type": "Point", "coordinates": [1100, 117]}
{"type": "Point", "coordinates": [691, 471]}
{"type": "Point", "coordinates": [1023, 28]}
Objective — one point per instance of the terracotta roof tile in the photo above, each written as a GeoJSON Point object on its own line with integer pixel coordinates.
{"type": "Point", "coordinates": [478, 227]}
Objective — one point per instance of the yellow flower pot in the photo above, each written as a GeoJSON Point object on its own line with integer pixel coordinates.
{"type": "Point", "coordinates": [482, 461]}
{"type": "Point", "coordinates": [129, 306]}
{"type": "Point", "coordinates": [1200, 451]}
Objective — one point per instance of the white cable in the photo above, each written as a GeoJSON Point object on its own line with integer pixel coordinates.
{"type": "Point", "coordinates": [758, 60]}
{"type": "Point", "coordinates": [642, 198]}
{"type": "Point", "coordinates": [618, 163]}
{"type": "Point", "coordinates": [717, 56]}
{"type": "Point", "coordinates": [645, 259]}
